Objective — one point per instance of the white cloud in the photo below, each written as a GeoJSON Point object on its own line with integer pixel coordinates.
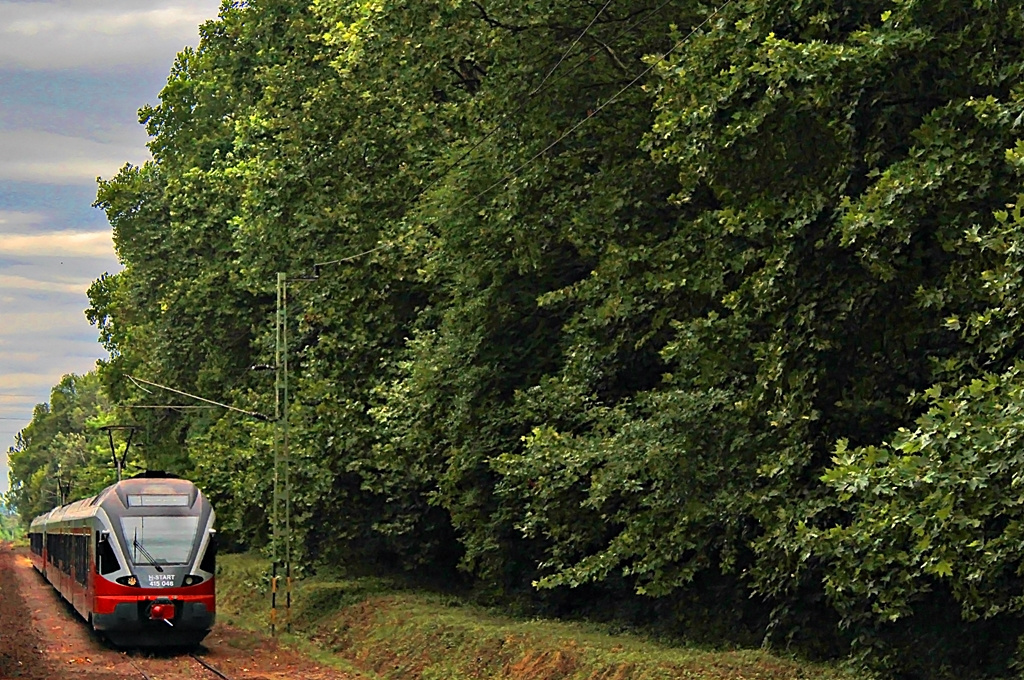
{"type": "Point", "coordinates": [20, 322]}
{"type": "Point", "coordinates": [22, 374]}
{"type": "Point", "coordinates": [20, 358]}
{"type": "Point", "coordinates": [62, 264]}
{"type": "Point", "coordinates": [26, 380]}
{"type": "Point", "coordinates": [81, 68]}
{"type": "Point", "coordinates": [25, 283]}
{"type": "Point", "coordinates": [45, 157]}
{"type": "Point", "coordinates": [13, 219]}
{"type": "Point", "coordinates": [97, 34]}
{"type": "Point", "coordinates": [66, 244]}
{"type": "Point", "coordinates": [29, 381]}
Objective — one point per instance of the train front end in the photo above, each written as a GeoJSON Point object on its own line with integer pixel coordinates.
{"type": "Point", "coordinates": [154, 581]}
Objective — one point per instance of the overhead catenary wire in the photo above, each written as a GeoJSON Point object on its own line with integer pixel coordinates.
{"type": "Point", "coordinates": [382, 246]}
{"type": "Point", "coordinates": [169, 406]}
{"type": "Point", "coordinates": [254, 414]}
{"type": "Point", "coordinates": [140, 386]}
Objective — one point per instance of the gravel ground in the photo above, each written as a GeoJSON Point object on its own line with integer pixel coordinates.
{"type": "Point", "coordinates": [42, 638]}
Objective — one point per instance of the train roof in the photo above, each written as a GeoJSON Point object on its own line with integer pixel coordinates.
{"type": "Point", "coordinates": [142, 491]}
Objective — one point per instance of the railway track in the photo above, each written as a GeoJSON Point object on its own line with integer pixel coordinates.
{"type": "Point", "coordinates": [210, 668]}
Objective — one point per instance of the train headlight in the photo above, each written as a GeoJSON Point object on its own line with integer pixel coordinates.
{"type": "Point", "coordinates": [192, 580]}
{"type": "Point", "coordinates": [131, 581]}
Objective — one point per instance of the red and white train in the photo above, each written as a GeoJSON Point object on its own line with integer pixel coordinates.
{"type": "Point", "coordinates": [137, 560]}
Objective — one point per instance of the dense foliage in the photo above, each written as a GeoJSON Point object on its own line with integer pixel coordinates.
{"type": "Point", "coordinates": [655, 298]}
{"type": "Point", "coordinates": [10, 528]}
{"type": "Point", "coordinates": [62, 453]}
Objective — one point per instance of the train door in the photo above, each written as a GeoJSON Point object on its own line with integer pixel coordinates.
{"type": "Point", "coordinates": [80, 568]}
{"type": "Point", "coordinates": [73, 567]}
{"type": "Point", "coordinates": [44, 554]}
{"type": "Point", "coordinates": [90, 570]}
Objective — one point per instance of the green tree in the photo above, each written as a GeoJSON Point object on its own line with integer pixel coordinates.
{"type": "Point", "coordinates": [62, 445]}
{"type": "Point", "coordinates": [633, 300]}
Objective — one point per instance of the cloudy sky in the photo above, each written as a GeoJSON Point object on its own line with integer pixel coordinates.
{"type": "Point", "coordinates": [73, 74]}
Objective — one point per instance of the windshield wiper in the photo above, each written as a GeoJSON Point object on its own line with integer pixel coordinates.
{"type": "Point", "coordinates": [145, 553]}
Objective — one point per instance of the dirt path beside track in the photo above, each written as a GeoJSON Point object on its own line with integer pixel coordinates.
{"type": "Point", "coordinates": [20, 656]}
{"type": "Point", "coordinates": [42, 638]}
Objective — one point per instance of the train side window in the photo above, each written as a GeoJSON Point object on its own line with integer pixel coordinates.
{"type": "Point", "coordinates": [82, 559]}
{"type": "Point", "coordinates": [59, 552]}
{"type": "Point", "coordinates": [209, 562]}
{"type": "Point", "coordinates": [54, 549]}
{"type": "Point", "coordinates": [106, 560]}
{"type": "Point", "coordinates": [65, 556]}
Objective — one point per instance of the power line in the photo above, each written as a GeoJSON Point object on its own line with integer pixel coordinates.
{"type": "Point", "coordinates": [140, 386]}
{"type": "Point", "coordinates": [520, 109]}
{"type": "Point", "coordinates": [590, 114]}
{"type": "Point", "coordinates": [166, 406]}
{"type": "Point", "coordinates": [536, 91]}
{"type": "Point", "coordinates": [317, 265]}
{"type": "Point", "coordinates": [254, 414]}
{"type": "Point", "coordinates": [573, 45]}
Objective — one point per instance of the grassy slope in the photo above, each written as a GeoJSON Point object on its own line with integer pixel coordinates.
{"type": "Point", "coordinates": [372, 626]}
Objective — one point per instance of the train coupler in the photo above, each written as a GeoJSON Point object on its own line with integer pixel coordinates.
{"type": "Point", "coordinates": [162, 610]}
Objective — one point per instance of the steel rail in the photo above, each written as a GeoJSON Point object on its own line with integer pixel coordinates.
{"type": "Point", "coordinates": [141, 672]}
{"type": "Point", "coordinates": [208, 667]}
{"type": "Point", "coordinates": [220, 674]}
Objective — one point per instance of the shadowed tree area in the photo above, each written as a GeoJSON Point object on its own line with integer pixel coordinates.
{"type": "Point", "coordinates": [703, 315]}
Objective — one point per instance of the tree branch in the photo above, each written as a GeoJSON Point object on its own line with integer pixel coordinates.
{"type": "Point", "coordinates": [611, 54]}
{"type": "Point", "coordinates": [498, 24]}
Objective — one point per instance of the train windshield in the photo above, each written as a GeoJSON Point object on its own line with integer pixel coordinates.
{"type": "Point", "coordinates": [159, 540]}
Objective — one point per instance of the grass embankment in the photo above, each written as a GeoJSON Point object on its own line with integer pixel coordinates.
{"type": "Point", "coordinates": [375, 627]}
